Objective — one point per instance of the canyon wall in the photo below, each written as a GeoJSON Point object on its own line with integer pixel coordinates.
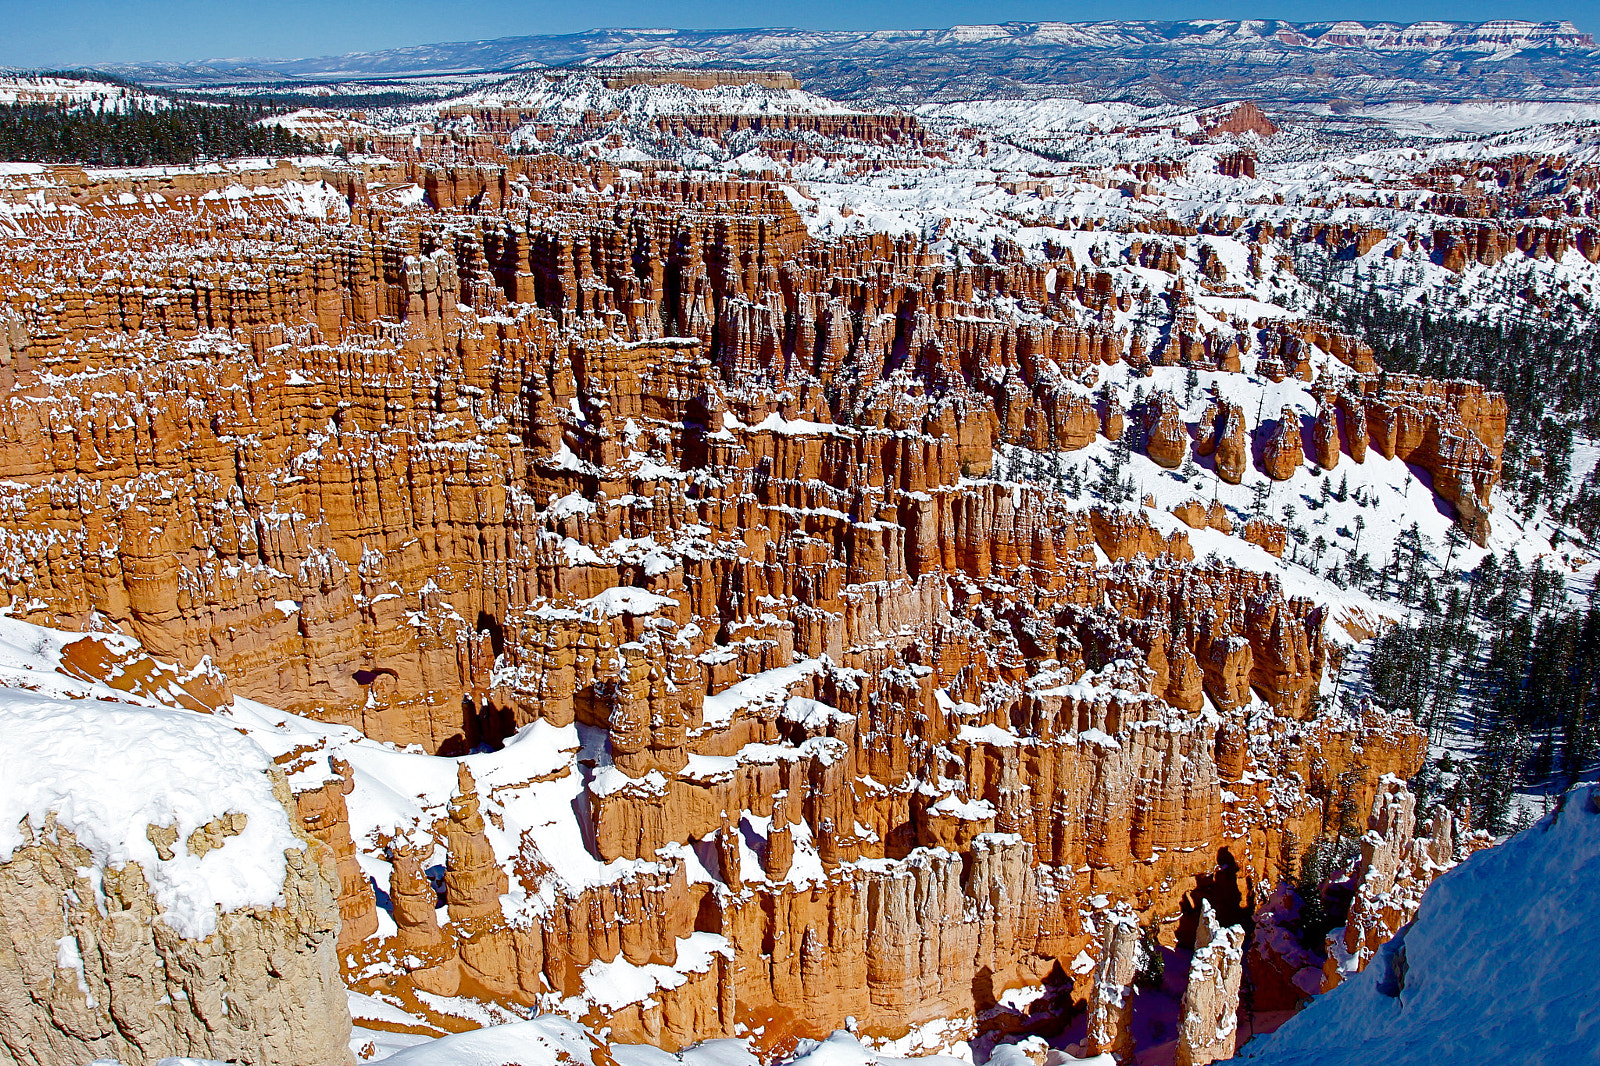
{"type": "Point", "coordinates": [858, 729]}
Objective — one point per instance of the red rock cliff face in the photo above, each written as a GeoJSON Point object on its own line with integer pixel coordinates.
{"type": "Point", "coordinates": [709, 493]}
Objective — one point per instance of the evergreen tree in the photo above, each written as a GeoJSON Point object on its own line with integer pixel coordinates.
{"type": "Point", "coordinates": [178, 133]}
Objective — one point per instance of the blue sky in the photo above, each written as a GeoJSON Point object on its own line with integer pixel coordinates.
{"type": "Point", "coordinates": [80, 32]}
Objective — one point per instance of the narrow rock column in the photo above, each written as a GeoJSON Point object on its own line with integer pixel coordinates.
{"type": "Point", "coordinates": [1111, 1001]}
{"type": "Point", "coordinates": [473, 879]}
{"type": "Point", "coordinates": [473, 884]}
{"type": "Point", "coordinates": [1208, 1030]}
{"type": "Point", "coordinates": [412, 895]}
{"type": "Point", "coordinates": [1284, 452]}
{"type": "Point", "coordinates": [324, 814]}
{"type": "Point", "coordinates": [1326, 436]}
{"type": "Point", "coordinates": [429, 951]}
{"type": "Point", "coordinates": [780, 837]}
{"type": "Point", "coordinates": [1233, 450]}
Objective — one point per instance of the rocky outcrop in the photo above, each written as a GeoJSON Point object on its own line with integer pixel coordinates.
{"type": "Point", "coordinates": [1266, 534]}
{"type": "Point", "coordinates": [323, 814]}
{"type": "Point", "coordinates": [1231, 448]}
{"type": "Point", "coordinates": [1454, 430]}
{"type": "Point", "coordinates": [1325, 437]}
{"type": "Point", "coordinates": [474, 881]}
{"type": "Point", "coordinates": [430, 953]}
{"type": "Point", "coordinates": [1395, 868]}
{"type": "Point", "coordinates": [1197, 515]}
{"type": "Point", "coordinates": [1207, 1031]}
{"type": "Point", "coordinates": [1283, 971]}
{"type": "Point", "coordinates": [91, 971]}
{"type": "Point", "coordinates": [1166, 437]}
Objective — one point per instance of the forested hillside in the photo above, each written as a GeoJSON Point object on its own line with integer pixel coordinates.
{"type": "Point", "coordinates": [1504, 654]}
{"type": "Point", "coordinates": [179, 133]}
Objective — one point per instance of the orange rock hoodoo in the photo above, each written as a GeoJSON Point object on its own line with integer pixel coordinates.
{"type": "Point", "coordinates": [657, 468]}
{"type": "Point", "coordinates": [1283, 453]}
{"type": "Point", "coordinates": [1167, 439]}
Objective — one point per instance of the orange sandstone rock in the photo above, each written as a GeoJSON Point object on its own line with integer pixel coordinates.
{"type": "Point", "coordinates": [1166, 437]}
{"type": "Point", "coordinates": [1283, 452]}
{"type": "Point", "coordinates": [1232, 449]}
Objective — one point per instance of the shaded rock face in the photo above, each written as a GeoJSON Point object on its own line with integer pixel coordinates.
{"type": "Point", "coordinates": [88, 970]}
{"type": "Point", "coordinates": [671, 485]}
{"type": "Point", "coordinates": [1283, 972]}
{"type": "Point", "coordinates": [1454, 430]}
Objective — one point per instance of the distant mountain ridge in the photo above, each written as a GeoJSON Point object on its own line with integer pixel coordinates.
{"type": "Point", "coordinates": [1201, 62]}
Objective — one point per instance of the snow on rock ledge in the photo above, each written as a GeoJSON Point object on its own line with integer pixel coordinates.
{"type": "Point", "coordinates": [155, 899]}
{"type": "Point", "coordinates": [129, 782]}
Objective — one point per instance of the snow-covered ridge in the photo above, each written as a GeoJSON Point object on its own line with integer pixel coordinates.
{"type": "Point", "coordinates": [1500, 961]}
{"type": "Point", "coordinates": [772, 43]}
{"type": "Point", "coordinates": [1493, 35]}
{"type": "Point", "coordinates": [1201, 62]}
{"type": "Point", "coordinates": [566, 100]}
{"type": "Point", "coordinates": [1489, 36]}
{"type": "Point", "coordinates": [100, 95]}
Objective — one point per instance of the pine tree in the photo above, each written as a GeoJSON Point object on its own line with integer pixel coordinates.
{"type": "Point", "coordinates": [1453, 539]}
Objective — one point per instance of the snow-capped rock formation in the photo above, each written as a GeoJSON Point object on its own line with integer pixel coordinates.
{"type": "Point", "coordinates": [1208, 1030]}
{"type": "Point", "coordinates": [760, 674]}
{"type": "Point", "coordinates": [156, 898]}
{"type": "Point", "coordinates": [1111, 999]}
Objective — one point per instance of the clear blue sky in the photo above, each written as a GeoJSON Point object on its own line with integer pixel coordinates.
{"type": "Point", "coordinates": [81, 32]}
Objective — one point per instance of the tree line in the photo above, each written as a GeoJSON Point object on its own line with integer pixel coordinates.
{"type": "Point", "coordinates": [1508, 662]}
{"type": "Point", "coordinates": [175, 134]}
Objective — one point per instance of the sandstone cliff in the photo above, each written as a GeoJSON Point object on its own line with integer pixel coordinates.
{"type": "Point", "coordinates": [676, 527]}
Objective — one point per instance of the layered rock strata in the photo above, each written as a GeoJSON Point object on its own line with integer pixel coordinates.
{"type": "Point", "coordinates": [855, 729]}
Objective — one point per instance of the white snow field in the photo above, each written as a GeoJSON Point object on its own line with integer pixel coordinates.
{"type": "Point", "coordinates": [549, 1041]}
{"type": "Point", "coordinates": [1498, 968]}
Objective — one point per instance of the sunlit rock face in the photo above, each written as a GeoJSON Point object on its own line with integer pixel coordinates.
{"type": "Point", "coordinates": [677, 594]}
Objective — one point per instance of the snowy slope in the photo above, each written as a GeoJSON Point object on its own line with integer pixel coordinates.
{"type": "Point", "coordinates": [566, 100]}
{"type": "Point", "coordinates": [100, 95]}
{"type": "Point", "coordinates": [547, 1041]}
{"type": "Point", "coordinates": [1499, 966]}
{"type": "Point", "coordinates": [65, 745]}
